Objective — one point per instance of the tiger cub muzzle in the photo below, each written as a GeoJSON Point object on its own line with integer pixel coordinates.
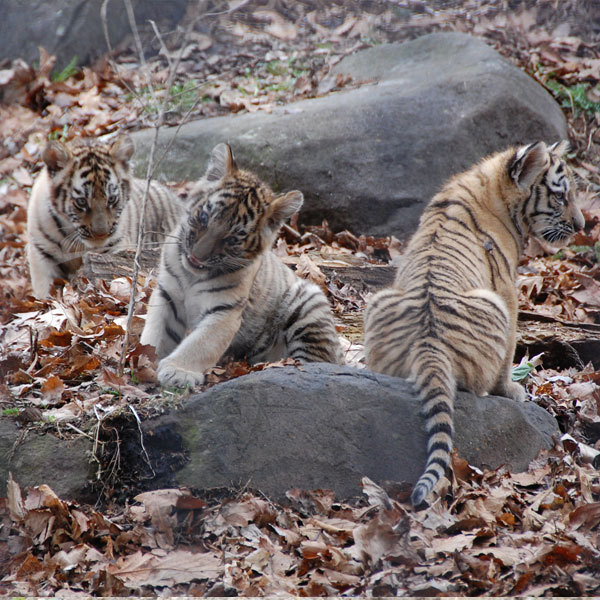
{"type": "Point", "coordinates": [204, 247]}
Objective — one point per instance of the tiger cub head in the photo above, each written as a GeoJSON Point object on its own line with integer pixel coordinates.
{"type": "Point", "coordinates": [91, 186]}
{"type": "Point", "coordinates": [547, 206]}
{"type": "Point", "coordinates": [232, 217]}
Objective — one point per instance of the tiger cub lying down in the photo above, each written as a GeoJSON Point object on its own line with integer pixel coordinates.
{"type": "Point", "coordinates": [222, 292]}
{"type": "Point", "coordinates": [85, 199]}
{"type": "Point", "coordinates": [449, 320]}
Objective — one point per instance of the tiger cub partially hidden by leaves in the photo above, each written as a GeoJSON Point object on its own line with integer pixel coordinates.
{"type": "Point", "coordinates": [222, 292]}
{"type": "Point", "coordinates": [86, 199]}
{"type": "Point", "coordinates": [449, 321]}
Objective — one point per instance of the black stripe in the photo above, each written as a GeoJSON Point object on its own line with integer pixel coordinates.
{"type": "Point", "coordinates": [171, 272]}
{"type": "Point", "coordinates": [435, 371]}
{"type": "Point", "coordinates": [49, 238]}
{"type": "Point", "coordinates": [57, 220]}
{"type": "Point", "coordinates": [221, 308]}
{"type": "Point", "coordinates": [436, 460]}
{"type": "Point", "coordinates": [173, 335]}
{"type": "Point", "coordinates": [439, 445]}
{"type": "Point", "coordinates": [46, 254]}
{"type": "Point", "coordinates": [311, 338]}
{"type": "Point", "coordinates": [459, 255]}
{"type": "Point", "coordinates": [222, 288]}
{"type": "Point", "coordinates": [458, 327]}
{"type": "Point", "coordinates": [399, 328]}
{"type": "Point", "coordinates": [441, 428]}
{"type": "Point", "coordinates": [299, 309]}
{"type": "Point", "coordinates": [171, 303]}
{"type": "Point", "coordinates": [439, 408]}
{"type": "Point", "coordinates": [318, 325]}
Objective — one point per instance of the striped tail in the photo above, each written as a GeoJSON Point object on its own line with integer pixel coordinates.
{"type": "Point", "coordinates": [435, 383]}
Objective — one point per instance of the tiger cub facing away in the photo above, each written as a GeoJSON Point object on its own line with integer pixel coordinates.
{"type": "Point", "coordinates": [449, 321]}
{"type": "Point", "coordinates": [222, 292]}
{"type": "Point", "coordinates": [86, 199]}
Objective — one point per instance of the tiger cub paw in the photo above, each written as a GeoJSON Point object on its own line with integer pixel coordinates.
{"type": "Point", "coordinates": [513, 390]}
{"type": "Point", "coordinates": [170, 375]}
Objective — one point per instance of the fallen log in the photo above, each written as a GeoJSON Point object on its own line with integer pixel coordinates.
{"type": "Point", "coordinates": [565, 344]}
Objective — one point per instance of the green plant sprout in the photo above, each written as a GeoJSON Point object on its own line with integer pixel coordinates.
{"type": "Point", "coordinates": [595, 249]}
{"type": "Point", "coordinates": [62, 135]}
{"type": "Point", "coordinates": [10, 412]}
{"type": "Point", "coordinates": [575, 96]}
{"type": "Point", "coordinates": [70, 70]}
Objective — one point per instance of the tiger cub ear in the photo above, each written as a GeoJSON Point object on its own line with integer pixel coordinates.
{"type": "Point", "coordinates": [122, 148]}
{"type": "Point", "coordinates": [284, 207]}
{"type": "Point", "coordinates": [221, 163]}
{"type": "Point", "coordinates": [560, 148]}
{"type": "Point", "coordinates": [527, 164]}
{"type": "Point", "coordinates": [56, 156]}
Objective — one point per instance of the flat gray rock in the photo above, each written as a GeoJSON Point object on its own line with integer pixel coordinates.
{"type": "Point", "coordinates": [368, 159]}
{"type": "Point", "coordinates": [318, 426]}
{"type": "Point", "coordinates": [325, 426]}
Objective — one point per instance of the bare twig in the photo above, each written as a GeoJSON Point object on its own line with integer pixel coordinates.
{"type": "Point", "coordinates": [162, 44]}
{"type": "Point", "coordinates": [77, 430]}
{"type": "Point", "coordinates": [230, 10]}
{"type": "Point", "coordinates": [152, 162]}
{"type": "Point", "coordinates": [111, 62]}
{"type": "Point", "coordinates": [134, 30]}
{"type": "Point", "coordinates": [149, 171]}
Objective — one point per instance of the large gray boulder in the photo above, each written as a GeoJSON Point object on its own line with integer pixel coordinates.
{"type": "Point", "coordinates": [325, 426]}
{"type": "Point", "coordinates": [34, 458]}
{"type": "Point", "coordinates": [318, 426]}
{"type": "Point", "coordinates": [73, 28]}
{"type": "Point", "coordinates": [368, 158]}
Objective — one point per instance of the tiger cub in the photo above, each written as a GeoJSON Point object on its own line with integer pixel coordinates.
{"type": "Point", "coordinates": [222, 292]}
{"type": "Point", "coordinates": [449, 321]}
{"type": "Point", "coordinates": [86, 199]}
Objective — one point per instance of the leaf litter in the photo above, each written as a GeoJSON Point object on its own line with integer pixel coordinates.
{"type": "Point", "coordinates": [497, 533]}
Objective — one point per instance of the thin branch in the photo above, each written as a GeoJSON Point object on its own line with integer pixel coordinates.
{"type": "Point", "coordinates": [229, 10]}
{"type": "Point", "coordinates": [149, 173]}
{"type": "Point", "coordinates": [134, 30]}
{"type": "Point", "coordinates": [111, 62]}
{"type": "Point", "coordinates": [162, 44]}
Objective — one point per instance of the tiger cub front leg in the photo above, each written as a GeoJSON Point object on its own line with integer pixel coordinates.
{"type": "Point", "coordinates": [164, 327]}
{"type": "Point", "coordinates": [42, 272]}
{"type": "Point", "coordinates": [200, 349]}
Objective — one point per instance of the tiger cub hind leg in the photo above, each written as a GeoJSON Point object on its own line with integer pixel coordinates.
{"type": "Point", "coordinates": [310, 334]}
{"type": "Point", "coordinates": [503, 385]}
{"type": "Point", "coordinates": [387, 345]}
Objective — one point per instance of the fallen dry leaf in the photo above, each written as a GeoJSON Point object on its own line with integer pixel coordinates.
{"type": "Point", "coordinates": [178, 566]}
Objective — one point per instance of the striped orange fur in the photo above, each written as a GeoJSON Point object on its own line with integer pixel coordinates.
{"type": "Point", "coordinates": [449, 320]}
{"type": "Point", "coordinates": [222, 292]}
{"type": "Point", "coordinates": [86, 199]}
